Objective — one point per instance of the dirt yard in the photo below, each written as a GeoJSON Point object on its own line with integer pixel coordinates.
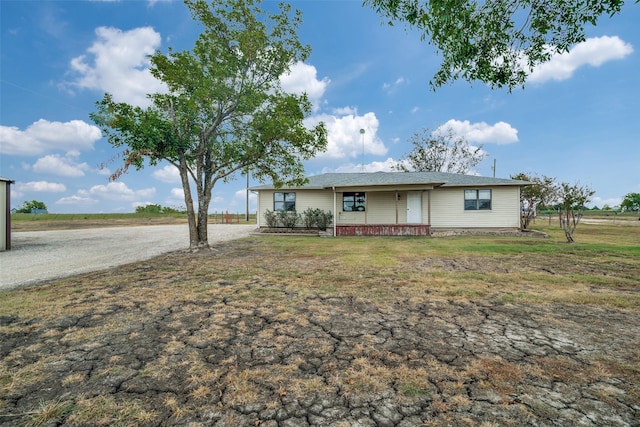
{"type": "Point", "coordinates": [248, 335]}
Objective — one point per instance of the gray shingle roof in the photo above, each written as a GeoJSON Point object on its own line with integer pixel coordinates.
{"type": "Point", "coordinates": [436, 179]}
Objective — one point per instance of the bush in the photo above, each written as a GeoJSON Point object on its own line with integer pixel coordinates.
{"type": "Point", "coordinates": [316, 218]}
{"type": "Point", "coordinates": [309, 218]}
{"type": "Point", "coordinates": [158, 209]}
{"type": "Point", "coordinates": [288, 219]}
{"type": "Point", "coordinates": [271, 218]}
{"type": "Point", "coordinates": [323, 220]}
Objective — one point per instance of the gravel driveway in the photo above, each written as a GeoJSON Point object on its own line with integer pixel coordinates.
{"type": "Point", "coordinates": [37, 256]}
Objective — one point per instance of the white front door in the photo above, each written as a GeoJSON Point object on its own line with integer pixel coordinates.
{"type": "Point", "coordinates": [414, 207]}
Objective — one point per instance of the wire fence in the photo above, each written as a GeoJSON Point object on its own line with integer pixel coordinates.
{"type": "Point", "coordinates": [227, 217]}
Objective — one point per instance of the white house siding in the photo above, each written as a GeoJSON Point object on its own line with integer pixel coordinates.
{"type": "Point", "coordinates": [381, 209]}
{"type": "Point", "coordinates": [316, 199]}
{"type": "Point", "coordinates": [447, 209]}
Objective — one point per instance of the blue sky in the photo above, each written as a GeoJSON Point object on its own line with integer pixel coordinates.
{"type": "Point", "coordinates": [577, 119]}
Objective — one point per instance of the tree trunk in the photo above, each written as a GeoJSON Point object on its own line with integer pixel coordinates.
{"type": "Point", "coordinates": [194, 236]}
{"type": "Point", "coordinates": [203, 218]}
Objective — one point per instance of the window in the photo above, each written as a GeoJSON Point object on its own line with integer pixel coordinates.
{"type": "Point", "coordinates": [284, 201]}
{"type": "Point", "coordinates": [353, 202]}
{"type": "Point", "coordinates": [477, 200]}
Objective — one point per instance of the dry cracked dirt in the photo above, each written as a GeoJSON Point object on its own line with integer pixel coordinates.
{"type": "Point", "coordinates": [249, 352]}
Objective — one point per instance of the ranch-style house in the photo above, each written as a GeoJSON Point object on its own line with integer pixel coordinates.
{"type": "Point", "coordinates": [401, 203]}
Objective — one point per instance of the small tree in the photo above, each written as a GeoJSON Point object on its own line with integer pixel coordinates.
{"type": "Point", "coordinates": [631, 202]}
{"type": "Point", "coordinates": [440, 151]}
{"type": "Point", "coordinates": [541, 192]}
{"type": "Point", "coordinates": [573, 199]}
{"type": "Point", "coordinates": [30, 205]}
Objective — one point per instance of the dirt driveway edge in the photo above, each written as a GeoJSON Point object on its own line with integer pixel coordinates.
{"type": "Point", "coordinates": [38, 256]}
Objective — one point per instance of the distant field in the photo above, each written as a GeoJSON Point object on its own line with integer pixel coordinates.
{"type": "Point", "coordinates": [35, 222]}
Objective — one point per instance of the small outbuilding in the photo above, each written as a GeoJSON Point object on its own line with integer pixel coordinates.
{"type": "Point", "coordinates": [401, 203]}
{"type": "Point", "coordinates": [5, 213]}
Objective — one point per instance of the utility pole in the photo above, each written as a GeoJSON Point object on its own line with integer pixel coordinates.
{"type": "Point", "coordinates": [246, 217]}
{"type": "Point", "coordinates": [494, 168]}
{"type": "Point", "coordinates": [362, 133]}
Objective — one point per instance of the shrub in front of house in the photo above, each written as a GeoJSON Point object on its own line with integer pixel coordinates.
{"type": "Point", "coordinates": [316, 218]}
{"type": "Point", "coordinates": [324, 219]}
{"type": "Point", "coordinates": [310, 219]}
{"type": "Point", "coordinates": [288, 219]}
{"type": "Point", "coordinates": [271, 218]}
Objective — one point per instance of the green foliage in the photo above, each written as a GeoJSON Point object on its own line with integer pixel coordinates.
{"type": "Point", "coordinates": [541, 192]}
{"type": "Point", "coordinates": [440, 152]}
{"type": "Point", "coordinates": [271, 218]}
{"type": "Point", "coordinates": [316, 218]}
{"type": "Point", "coordinates": [572, 201]}
{"type": "Point", "coordinates": [631, 202]}
{"type": "Point", "coordinates": [28, 206]}
{"type": "Point", "coordinates": [154, 209]}
{"type": "Point", "coordinates": [496, 42]}
{"type": "Point", "coordinates": [158, 209]}
{"type": "Point", "coordinates": [288, 219]}
{"type": "Point", "coordinates": [225, 110]}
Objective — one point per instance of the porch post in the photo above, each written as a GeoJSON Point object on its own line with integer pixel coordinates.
{"type": "Point", "coordinates": [429, 210]}
{"type": "Point", "coordinates": [335, 213]}
{"type": "Point", "coordinates": [396, 207]}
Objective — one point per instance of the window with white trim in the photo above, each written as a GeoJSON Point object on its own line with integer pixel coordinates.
{"type": "Point", "coordinates": [353, 202]}
{"type": "Point", "coordinates": [284, 201]}
{"type": "Point", "coordinates": [477, 200]}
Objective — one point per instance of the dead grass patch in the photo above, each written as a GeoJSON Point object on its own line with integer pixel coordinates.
{"type": "Point", "coordinates": [108, 411]}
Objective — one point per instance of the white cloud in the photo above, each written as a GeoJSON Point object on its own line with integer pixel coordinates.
{"type": "Point", "coordinates": [77, 200]}
{"type": "Point", "coordinates": [118, 191]}
{"type": "Point", "coordinates": [383, 166]}
{"type": "Point", "coordinates": [45, 136]}
{"type": "Point", "coordinates": [593, 51]}
{"type": "Point", "coordinates": [242, 195]}
{"type": "Point", "coordinates": [344, 137]}
{"type": "Point", "coordinates": [302, 78]}
{"type": "Point", "coordinates": [392, 87]}
{"type": "Point", "coordinates": [61, 165]}
{"type": "Point", "coordinates": [168, 174]}
{"type": "Point", "coordinates": [600, 202]}
{"type": "Point", "coordinates": [176, 197]}
{"type": "Point", "coordinates": [40, 186]}
{"type": "Point", "coordinates": [499, 133]}
{"type": "Point", "coordinates": [343, 111]}
{"type": "Point", "coordinates": [118, 63]}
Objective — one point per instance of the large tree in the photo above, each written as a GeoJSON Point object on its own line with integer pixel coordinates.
{"type": "Point", "coordinates": [497, 41]}
{"type": "Point", "coordinates": [541, 192]}
{"type": "Point", "coordinates": [28, 206]}
{"type": "Point", "coordinates": [225, 110]}
{"type": "Point", "coordinates": [631, 202]}
{"type": "Point", "coordinates": [440, 151]}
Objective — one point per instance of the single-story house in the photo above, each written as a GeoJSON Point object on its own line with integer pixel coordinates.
{"type": "Point", "coordinates": [400, 203]}
{"type": "Point", "coordinates": [5, 213]}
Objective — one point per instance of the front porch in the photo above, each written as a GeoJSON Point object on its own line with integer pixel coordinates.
{"type": "Point", "coordinates": [383, 230]}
